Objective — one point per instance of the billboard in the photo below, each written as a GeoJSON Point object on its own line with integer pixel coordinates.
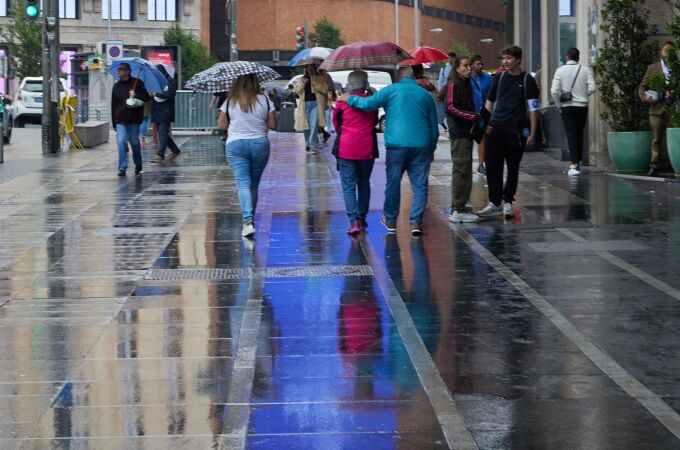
{"type": "Point", "coordinates": [168, 55]}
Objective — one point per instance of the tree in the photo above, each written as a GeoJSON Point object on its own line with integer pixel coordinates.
{"type": "Point", "coordinates": [326, 34]}
{"type": "Point", "coordinates": [460, 48]}
{"type": "Point", "coordinates": [195, 56]}
{"type": "Point", "coordinates": [24, 43]}
{"type": "Point", "coordinates": [622, 62]}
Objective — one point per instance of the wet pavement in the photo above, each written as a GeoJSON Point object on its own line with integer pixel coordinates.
{"type": "Point", "coordinates": [134, 316]}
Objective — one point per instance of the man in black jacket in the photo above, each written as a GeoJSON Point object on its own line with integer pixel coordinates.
{"type": "Point", "coordinates": [126, 118]}
{"type": "Point", "coordinates": [163, 114]}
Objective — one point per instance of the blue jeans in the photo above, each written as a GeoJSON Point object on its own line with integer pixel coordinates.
{"type": "Point", "coordinates": [128, 132]}
{"type": "Point", "coordinates": [312, 133]}
{"type": "Point", "coordinates": [416, 162]}
{"type": "Point", "coordinates": [329, 120]}
{"type": "Point", "coordinates": [164, 139]}
{"type": "Point", "coordinates": [144, 127]}
{"type": "Point", "coordinates": [355, 178]}
{"type": "Point", "coordinates": [248, 158]}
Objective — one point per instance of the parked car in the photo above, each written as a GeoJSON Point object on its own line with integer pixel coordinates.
{"type": "Point", "coordinates": [376, 80]}
{"type": "Point", "coordinates": [29, 100]}
{"type": "Point", "coordinates": [6, 118]}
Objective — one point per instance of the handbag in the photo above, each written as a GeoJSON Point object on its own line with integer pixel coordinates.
{"type": "Point", "coordinates": [565, 96]}
{"type": "Point", "coordinates": [132, 101]}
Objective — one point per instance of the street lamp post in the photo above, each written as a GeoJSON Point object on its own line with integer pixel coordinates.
{"type": "Point", "coordinates": [396, 22]}
{"type": "Point", "coordinates": [416, 24]}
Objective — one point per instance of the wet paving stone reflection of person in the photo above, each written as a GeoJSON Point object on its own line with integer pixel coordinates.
{"type": "Point", "coordinates": [134, 315]}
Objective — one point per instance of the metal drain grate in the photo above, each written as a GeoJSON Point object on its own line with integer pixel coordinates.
{"type": "Point", "coordinates": [270, 272]}
{"type": "Point", "coordinates": [198, 274]}
{"type": "Point", "coordinates": [317, 271]}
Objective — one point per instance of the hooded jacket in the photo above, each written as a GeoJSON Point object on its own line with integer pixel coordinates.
{"type": "Point", "coordinates": [163, 104]}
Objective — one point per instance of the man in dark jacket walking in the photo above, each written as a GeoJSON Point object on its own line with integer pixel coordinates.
{"type": "Point", "coordinates": [126, 118]}
{"type": "Point", "coordinates": [163, 114]}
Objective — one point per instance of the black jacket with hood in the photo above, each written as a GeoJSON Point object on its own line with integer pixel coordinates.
{"type": "Point", "coordinates": [163, 105]}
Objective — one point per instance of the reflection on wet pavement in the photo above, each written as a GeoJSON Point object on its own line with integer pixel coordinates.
{"type": "Point", "coordinates": [133, 315]}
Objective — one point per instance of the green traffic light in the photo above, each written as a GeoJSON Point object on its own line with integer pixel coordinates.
{"type": "Point", "coordinates": [31, 11]}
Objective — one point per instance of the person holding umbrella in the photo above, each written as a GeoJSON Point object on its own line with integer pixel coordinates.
{"type": "Point", "coordinates": [248, 115]}
{"type": "Point", "coordinates": [313, 90]}
{"type": "Point", "coordinates": [163, 114]}
{"type": "Point", "coordinates": [127, 113]}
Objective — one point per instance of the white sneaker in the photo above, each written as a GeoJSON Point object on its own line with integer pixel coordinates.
{"type": "Point", "coordinates": [248, 229]}
{"type": "Point", "coordinates": [507, 210]}
{"type": "Point", "coordinates": [461, 217]}
{"type": "Point", "coordinates": [574, 170]}
{"type": "Point", "coordinates": [490, 210]}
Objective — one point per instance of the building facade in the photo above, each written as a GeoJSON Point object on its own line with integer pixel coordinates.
{"type": "Point", "coordinates": [545, 29]}
{"type": "Point", "coordinates": [266, 28]}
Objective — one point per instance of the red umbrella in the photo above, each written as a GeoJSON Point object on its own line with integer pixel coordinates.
{"type": "Point", "coordinates": [364, 54]}
{"type": "Point", "coordinates": [422, 55]}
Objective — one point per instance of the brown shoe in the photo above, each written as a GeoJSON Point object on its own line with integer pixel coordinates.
{"type": "Point", "coordinates": [157, 159]}
{"type": "Point", "coordinates": [416, 229]}
{"type": "Point", "coordinates": [173, 155]}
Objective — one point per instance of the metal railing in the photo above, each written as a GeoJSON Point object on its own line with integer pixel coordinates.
{"type": "Point", "coordinates": [192, 113]}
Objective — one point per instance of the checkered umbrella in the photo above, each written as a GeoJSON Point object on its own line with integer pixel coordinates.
{"type": "Point", "coordinates": [221, 76]}
{"type": "Point", "coordinates": [364, 54]}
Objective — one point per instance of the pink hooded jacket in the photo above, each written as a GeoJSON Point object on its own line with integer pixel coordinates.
{"type": "Point", "coordinates": [356, 133]}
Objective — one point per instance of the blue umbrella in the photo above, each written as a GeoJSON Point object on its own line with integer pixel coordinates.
{"type": "Point", "coordinates": [153, 79]}
{"type": "Point", "coordinates": [312, 55]}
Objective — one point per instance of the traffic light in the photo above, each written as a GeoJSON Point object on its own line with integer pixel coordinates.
{"type": "Point", "coordinates": [300, 37]}
{"type": "Point", "coordinates": [32, 8]}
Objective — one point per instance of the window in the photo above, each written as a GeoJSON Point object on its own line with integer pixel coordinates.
{"type": "Point", "coordinates": [68, 9]}
{"type": "Point", "coordinates": [566, 8]}
{"type": "Point", "coordinates": [3, 8]}
{"type": "Point", "coordinates": [162, 10]}
{"type": "Point", "coordinates": [120, 9]}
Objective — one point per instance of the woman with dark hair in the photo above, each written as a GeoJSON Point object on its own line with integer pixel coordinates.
{"type": "Point", "coordinates": [248, 115]}
{"type": "Point", "coordinates": [421, 79]}
{"type": "Point", "coordinates": [460, 108]}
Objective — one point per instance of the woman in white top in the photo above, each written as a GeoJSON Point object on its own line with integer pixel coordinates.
{"type": "Point", "coordinates": [247, 115]}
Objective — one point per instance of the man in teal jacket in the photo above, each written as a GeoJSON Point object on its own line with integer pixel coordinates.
{"type": "Point", "coordinates": [411, 135]}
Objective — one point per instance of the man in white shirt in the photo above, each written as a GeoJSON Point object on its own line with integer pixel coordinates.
{"type": "Point", "coordinates": [571, 87]}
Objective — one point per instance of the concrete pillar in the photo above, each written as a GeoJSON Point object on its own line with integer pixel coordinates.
{"type": "Point", "coordinates": [550, 46]}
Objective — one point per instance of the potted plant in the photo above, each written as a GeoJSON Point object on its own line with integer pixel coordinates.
{"type": "Point", "coordinates": [673, 130]}
{"type": "Point", "coordinates": [623, 60]}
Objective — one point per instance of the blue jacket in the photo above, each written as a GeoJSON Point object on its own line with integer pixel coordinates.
{"type": "Point", "coordinates": [480, 88]}
{"type": "Point", "coordinates": [411, 115]}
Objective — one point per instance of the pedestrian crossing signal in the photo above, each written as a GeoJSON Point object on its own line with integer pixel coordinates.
{"type": "Point", "coordinates": [31, 9]}
{"type": "Point", "coordinates": [300, 37]}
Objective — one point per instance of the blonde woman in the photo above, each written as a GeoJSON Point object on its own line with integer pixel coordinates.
{"type": "Point", "coordinates": [247, 115]}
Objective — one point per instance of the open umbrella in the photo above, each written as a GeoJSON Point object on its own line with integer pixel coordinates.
{"type": "Point", "coordinates": [364, 54]}
{"type": "Point", "coordinates": [424, 55]}
{"type": "Point", "coordinates": [153, 79]}
{"type": "Point", "coordinates": [221, 76]}
{"type": "Point", "coordinates": [314, 55]}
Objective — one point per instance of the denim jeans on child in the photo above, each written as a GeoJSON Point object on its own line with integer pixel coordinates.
{"type": "Point", "coordinates": [248, 158]}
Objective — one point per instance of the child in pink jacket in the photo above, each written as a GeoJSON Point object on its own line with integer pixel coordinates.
{"type": "Point", "coordinates": [356, 147]}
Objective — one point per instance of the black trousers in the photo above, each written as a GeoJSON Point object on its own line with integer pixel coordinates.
{"type": "Point", "coordinates": [502, 149]}
{"type": "Point", "coordinates": [574, 118]}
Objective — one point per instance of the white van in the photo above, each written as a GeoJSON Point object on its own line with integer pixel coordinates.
{"type": "Point", "coordinates": [28, 101]}
{"type": "Point", "coordinates": [376, 79]}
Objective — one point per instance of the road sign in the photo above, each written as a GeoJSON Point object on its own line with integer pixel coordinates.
{"type": "Point", "coordinates": [114, 51]}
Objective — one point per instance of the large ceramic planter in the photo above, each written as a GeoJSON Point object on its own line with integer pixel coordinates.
{"type": "Point", "coordinates": [630, 151]}
{"type": "Point", "coordinates": [673, 144]}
